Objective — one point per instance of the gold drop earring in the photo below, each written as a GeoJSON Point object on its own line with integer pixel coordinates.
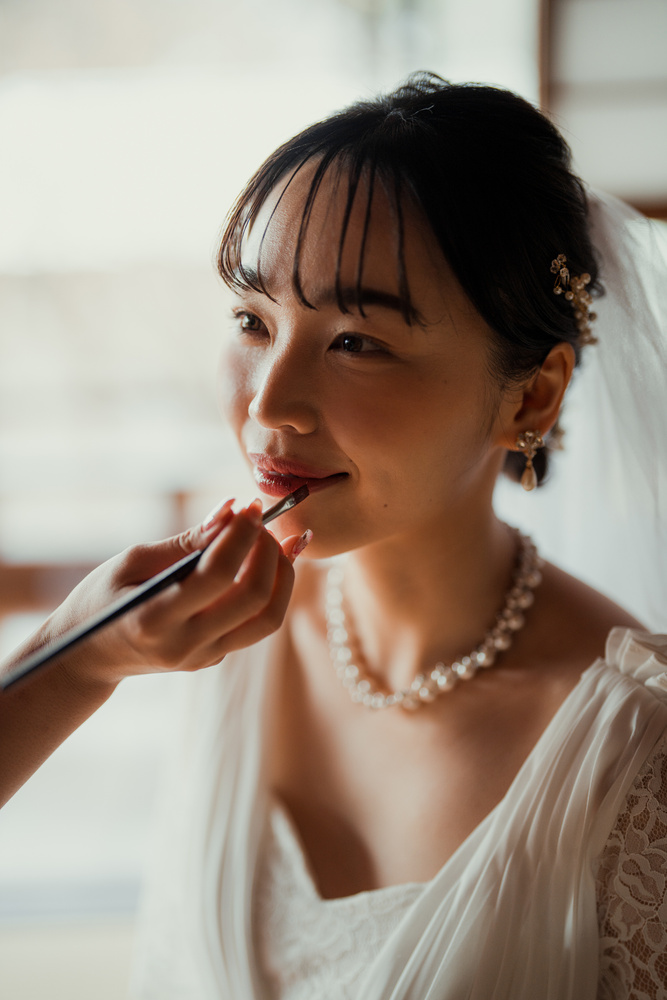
{"type": "Point", "coordinates": [528, 442]}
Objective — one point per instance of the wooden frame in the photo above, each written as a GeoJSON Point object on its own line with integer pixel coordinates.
{"type": "Point", "coordinates": [548, 16]}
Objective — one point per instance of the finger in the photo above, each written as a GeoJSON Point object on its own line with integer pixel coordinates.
{"type": "Point", "coordinates": [171, 643]}
{"type": "Point", "coordinates": [214, 574]}
{"type": "Point", "coordinates": [259, 626]}
{"type": "Point", "coordinates": [141, 562]}
{"type": "Point", "coordinates": [247, 597]}
{"type": "Point", "coordinates": [295, 544]}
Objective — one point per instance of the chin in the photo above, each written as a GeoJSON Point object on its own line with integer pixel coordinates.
{"type": "Point", "coordinates": [327, 546]}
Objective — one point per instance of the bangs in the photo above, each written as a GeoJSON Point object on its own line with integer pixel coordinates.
{"type": "Point", "coordinates": [360, 172]}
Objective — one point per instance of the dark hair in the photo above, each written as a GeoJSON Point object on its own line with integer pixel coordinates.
{"type": "Point", "coordinates": [493, 178]}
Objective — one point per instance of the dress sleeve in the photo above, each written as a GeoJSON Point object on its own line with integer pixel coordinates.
{"type": "Point", "coordinates": [631, 890]}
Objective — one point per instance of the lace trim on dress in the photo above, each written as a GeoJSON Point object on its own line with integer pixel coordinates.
{"type": "Point", "coordinates": [631, 884]}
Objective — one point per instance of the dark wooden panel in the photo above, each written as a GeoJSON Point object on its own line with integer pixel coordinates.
{"type": "Point", "coordinates": [37, 587]}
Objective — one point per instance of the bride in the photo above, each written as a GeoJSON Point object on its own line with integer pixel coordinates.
{"type": "Point", "coordinates": [441, 771]}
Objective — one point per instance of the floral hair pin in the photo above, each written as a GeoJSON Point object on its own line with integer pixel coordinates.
{"type": "Point", "coordinates": [574, 289]}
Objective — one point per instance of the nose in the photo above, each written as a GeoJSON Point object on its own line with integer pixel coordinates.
{"type": "Point", "coordinates": [284, 396]}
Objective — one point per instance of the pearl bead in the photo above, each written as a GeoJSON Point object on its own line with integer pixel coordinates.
{"type": "Point", "coordinates": [529, 478]}
{"type": "Point", "coordinates": [502, 640]}
{"type": "Point", "coordinates": [484, 657]}
{"type": "Point", "coordinates": [448, 680]}
{"type": "Point", "coordinates": [465, 669]}
{"type": "Point", "coordinates": [516, 621]}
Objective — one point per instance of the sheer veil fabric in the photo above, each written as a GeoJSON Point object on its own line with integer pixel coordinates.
{"type": "Point", "coordinates": [512, 915]}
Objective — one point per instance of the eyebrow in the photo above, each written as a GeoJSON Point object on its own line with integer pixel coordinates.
{"type": "Point", "coordinates": [348, 295]}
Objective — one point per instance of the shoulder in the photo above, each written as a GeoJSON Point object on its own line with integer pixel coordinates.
{"type": "Point", "coordinates": [572, 620]}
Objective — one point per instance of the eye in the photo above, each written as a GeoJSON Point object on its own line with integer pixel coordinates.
{"type": "Point", "coordinates": [354, 343]}
{"type": "Point", "coordinates": [248, 322]}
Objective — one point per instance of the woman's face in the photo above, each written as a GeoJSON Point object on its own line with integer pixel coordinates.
{"type": "Point", "coordinates": [409, 413]}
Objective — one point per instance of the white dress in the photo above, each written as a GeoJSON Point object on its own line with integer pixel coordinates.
{"type": "Point", "coordinates": [560, 892]}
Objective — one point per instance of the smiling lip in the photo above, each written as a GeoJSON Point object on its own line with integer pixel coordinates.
{"type": "Point", "coordinates": [277, 477]}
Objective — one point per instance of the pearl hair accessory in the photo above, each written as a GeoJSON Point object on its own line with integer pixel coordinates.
{"type": "Point", "coordinates": [574, 289]}
{"type": "Point", "coordinates": [443, 677]}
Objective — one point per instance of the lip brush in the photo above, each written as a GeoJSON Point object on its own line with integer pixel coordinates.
{"type": "Point", "coordinates": [142, 593]}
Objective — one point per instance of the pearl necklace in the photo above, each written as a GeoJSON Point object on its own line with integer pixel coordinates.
{"type": "Point", "coordinates": [443, 677]}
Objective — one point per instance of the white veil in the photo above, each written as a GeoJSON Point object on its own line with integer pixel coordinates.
{"type": "Point", "coordinates": [603, 513]}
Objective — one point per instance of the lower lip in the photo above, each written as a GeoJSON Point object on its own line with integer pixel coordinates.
{"type": "Point", "coordinates": [274, 485]}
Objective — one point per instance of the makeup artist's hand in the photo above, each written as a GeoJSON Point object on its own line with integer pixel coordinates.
{"type": "Point", "coordinates": [236, 595]}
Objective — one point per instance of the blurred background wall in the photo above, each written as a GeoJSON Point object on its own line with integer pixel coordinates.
{"type": "Point", "coordinates": [126, 129]}
{"type": "Point", "coordinates": [604, 81]}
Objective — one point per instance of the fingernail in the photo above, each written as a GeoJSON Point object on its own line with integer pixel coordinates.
{"type": "Point", "coordinates": [301, 543]}
{"type": "Point", "coordinates": [254, 511]}
{"type": "Point", "coordinates": [217, 513]}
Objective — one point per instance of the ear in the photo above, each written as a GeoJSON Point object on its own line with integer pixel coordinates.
{"type": "Point", "coordinates": [535, 406]}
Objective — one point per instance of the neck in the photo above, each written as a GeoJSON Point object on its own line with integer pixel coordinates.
{"type": "Point", "coordinates": [440, 589]}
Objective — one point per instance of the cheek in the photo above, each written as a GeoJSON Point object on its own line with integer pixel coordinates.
{"type": "Point", "coordinates": [233, 388]}
{"type": "Point", "coordinates": [396, 417]}
{"type": "Point", "coordinates": [430, 432]}
{"type": "Point", "coordinates": [391, 436]}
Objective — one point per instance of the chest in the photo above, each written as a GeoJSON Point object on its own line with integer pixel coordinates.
{"type": "Point", "coordinates": [386, 798]}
